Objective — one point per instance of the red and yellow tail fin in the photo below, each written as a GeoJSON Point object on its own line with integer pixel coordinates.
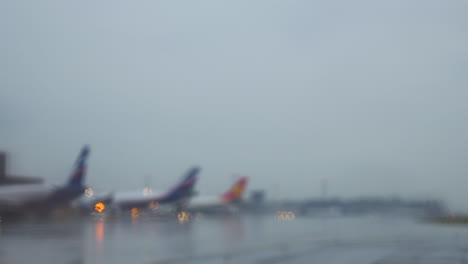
{"type": "Point", "coordinates": [236, 191]}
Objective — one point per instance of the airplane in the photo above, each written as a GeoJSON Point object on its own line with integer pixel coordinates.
{"type": "Point", "coordinates": [220, 202]}
{"type": "Point", "coordinates": [27, 198]}
{"type": "Point", "coordinates": [146, 199]}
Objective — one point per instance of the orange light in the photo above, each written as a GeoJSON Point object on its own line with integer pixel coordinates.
{"type": "Point", "coordinates": [99, 207]}
{"type": "Point", "coordinates": [154, 205]}
{"type": "Point", "coordinates": [135, 212]}
{"type": "Point", "coordinates": [99, 232]}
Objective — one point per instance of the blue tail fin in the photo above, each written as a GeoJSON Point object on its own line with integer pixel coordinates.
{"type": "Point", "coordinates": [79, 170]}
{"type": "Point", "coordinates": [185, 187]}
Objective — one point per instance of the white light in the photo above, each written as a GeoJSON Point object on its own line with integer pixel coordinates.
{"type": "Point", "coordinates": [89, 192]}
{"type": "Point", "coordinates": [147, 191]}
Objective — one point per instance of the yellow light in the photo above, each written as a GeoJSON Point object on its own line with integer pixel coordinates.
{"type": "Point", "coordinates": [89, 192]}
{"type": "Point", "coordinates": [135, 212]}
{"type": "Point", "coordinates": [99, 207]}
{"type": "Point", "coordinates": [154, 205]}
{"type": "Point", "coordinates": [183, 217]}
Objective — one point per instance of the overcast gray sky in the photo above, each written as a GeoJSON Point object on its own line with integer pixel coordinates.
{"type": "Point", "coordinates": [369, 94]}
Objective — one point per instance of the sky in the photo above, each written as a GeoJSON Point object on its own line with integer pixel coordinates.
{"type": "Point", "coordinates": [370, 95]}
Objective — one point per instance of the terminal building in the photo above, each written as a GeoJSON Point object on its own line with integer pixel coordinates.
{"type": "Point", "coordinates": [9, 179]}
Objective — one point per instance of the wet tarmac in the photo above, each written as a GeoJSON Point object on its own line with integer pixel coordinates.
{"type": "Point", "coordinates": [233, 239]}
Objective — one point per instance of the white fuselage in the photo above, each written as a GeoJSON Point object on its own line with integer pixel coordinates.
{"type": "Point", "coordinates": [21, 195]}
{"type": "Point", "coordinates": [121, 198]}
{"type": "Point", "coordinates": [206, 203]}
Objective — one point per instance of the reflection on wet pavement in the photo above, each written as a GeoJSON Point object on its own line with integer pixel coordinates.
{"type": "Point", "coordinates": [232, 239]}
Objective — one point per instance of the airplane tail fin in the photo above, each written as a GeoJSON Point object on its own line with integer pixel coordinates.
{"type": "Point", "coordinates": [79, 170]}
{"type": "Point", "coordinates": [236, 192]}
{"type": "Point", "coordinates": [185, 187]}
